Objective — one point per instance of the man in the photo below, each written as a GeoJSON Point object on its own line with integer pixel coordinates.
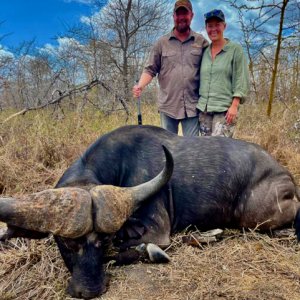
{"type": "Point", "coordinates": [175, 59]}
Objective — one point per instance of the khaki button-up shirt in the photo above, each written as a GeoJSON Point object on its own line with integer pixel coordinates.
{"type": "Point", "coordinates": [177, 65]}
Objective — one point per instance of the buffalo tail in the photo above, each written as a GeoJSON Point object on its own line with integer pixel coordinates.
{"type": "Point", "coordinates": [297, 225]}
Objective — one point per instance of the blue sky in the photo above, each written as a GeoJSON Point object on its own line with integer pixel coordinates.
{"type": "Point", "coordinates": [43, 20]}
{"type": "Point", "coordinates": [24, 20]}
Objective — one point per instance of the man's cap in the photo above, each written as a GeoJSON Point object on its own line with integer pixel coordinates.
{"type": "Point", "coordinates": [183, 3]}
{"type": "Point", "coordinates": [216, 13]}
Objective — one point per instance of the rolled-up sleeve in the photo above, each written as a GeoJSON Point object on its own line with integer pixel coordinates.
{"type": "Point", "coordinates": [153, 63]}
{"type": "Point", "coordinates": [240, 75]}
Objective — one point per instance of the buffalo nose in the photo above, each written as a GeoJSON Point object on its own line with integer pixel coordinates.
{"type": "Point", "coordinates": [83, 293]}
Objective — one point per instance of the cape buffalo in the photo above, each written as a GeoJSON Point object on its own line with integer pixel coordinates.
{"type": "Point", "coordinates": [112, 193]}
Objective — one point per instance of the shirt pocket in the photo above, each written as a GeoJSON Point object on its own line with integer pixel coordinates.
{"type": "Point", "coordinates": [169, 59]}
{"type": "Point", "coordinates": [196, 57]}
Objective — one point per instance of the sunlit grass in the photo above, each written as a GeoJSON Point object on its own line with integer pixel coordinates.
{"type": "Point", "coordinates": [37, 147]}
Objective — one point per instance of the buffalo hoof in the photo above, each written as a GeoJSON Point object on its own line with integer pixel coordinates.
{"type": "Point", "coordinates": [214, 232]}
{"type": "Point", "coordinates": [3, 234]}
{"type": "Point", "coordinates": [283, 233]}
{"type": "Point", "coordinates": [156, 254]}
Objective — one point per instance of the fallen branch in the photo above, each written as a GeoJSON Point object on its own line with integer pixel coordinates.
{"type": "Point", "coordinates": [63, 95]}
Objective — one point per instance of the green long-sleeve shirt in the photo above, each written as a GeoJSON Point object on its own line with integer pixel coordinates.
{"type": "Point", "coordinates": [223, 78]}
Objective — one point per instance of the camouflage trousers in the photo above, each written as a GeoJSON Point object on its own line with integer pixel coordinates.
{"type": "Point", "coordinates": [215, 124]}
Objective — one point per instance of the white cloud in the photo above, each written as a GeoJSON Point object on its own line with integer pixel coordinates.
{"type": "Point", "coordinates": [93, 19]}
{"type": "Point", "coordinates": [5, 53]}
{"type": "Point", "coordinates": [65, 45]}
{"type": "Point", "coordinates": [67, 42]}
{"type": "Point", "coordinates": [48, 49]}
{"type": "Point", "coordinates": [200, 7]}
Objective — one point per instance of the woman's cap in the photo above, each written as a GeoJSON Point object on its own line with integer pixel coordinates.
{"type": "Point", "coordinates": [216, 13]}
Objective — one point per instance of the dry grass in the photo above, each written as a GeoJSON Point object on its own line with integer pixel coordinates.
{"type": "Point", "coordinates": [276, 134]}
{"type": "Point", "coordinates": [31, 270]}
{"type": "Point", "coordinates": [241, 266]}
{"type": "Point", "coordinates": [36, 149]}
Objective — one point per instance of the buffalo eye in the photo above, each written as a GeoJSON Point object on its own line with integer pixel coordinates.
{"type": "Point", "coordinates": [101, 240]}
{"type": "Point", "coordinates": [97, 240]}
{"type": "Point", "coordinates": [98, 244]}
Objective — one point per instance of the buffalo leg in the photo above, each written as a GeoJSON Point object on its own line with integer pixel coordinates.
{"type": "Point", "coordinates": [14, 232]}
{"type": "Point", "coordinates": [297, 225]}
{"type": "Point", "coordinates": [127, 257]}
{"type": "Point", "coordinates": [142, 252]}
{"type": "Point", "coordinates": [151, 224]}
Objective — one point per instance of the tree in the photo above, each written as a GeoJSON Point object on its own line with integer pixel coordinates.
{"type": "Point", "coordinates": [268, 27]}
{"type": "Point", "coordinates": [102, 56]}
{"type": "Point", "coordinates": [129, 28]}
{"type": "Point", "coordinates": [276, 60]}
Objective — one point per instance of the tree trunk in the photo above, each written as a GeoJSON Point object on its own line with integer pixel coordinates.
{"type": "Point", "coordinates": [274, 71]}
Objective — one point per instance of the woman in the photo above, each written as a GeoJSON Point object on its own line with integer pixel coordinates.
{"type": "Point", "coordinates": [224, 79]}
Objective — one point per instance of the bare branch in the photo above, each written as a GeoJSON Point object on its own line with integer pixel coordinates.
{"type": "Point", "coordinates": [63, 95]}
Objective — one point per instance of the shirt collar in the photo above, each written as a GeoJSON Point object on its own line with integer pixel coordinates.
{"type": "Point", "coordinates": [226, 47]}
{"type": "Point", "coordinates": [171, 35]}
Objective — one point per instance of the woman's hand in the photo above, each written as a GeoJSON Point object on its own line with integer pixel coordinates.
{"type": "Point", "coordinates": [232, 111]}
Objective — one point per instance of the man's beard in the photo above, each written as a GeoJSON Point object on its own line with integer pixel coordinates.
{"type": "Point", "coordinates": [182, 27]}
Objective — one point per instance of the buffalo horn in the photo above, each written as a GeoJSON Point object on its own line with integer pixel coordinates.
{"type": "Point", "coordinates": [66, 212]}
{"type": "Point", "coordinates": [114, 205]}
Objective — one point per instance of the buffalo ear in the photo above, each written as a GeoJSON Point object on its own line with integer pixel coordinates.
{"type": "Point", "coordinates": [15, 232]}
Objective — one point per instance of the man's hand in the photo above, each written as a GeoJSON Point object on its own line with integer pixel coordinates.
{"type": "Point", "coordinates": [143, 82]}
{"type": "Point", "coordinates": [137, 91]}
